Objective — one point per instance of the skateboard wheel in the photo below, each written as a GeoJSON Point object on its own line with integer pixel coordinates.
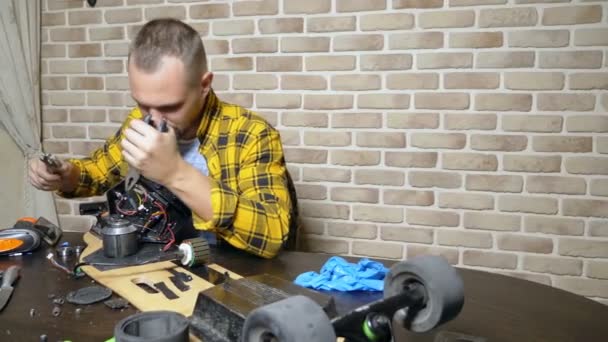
{"type": "Point", "coordinates": [294, 319]}
{"type": "Point", "coordinates": [196, 252]}
{"type": "Point", "coordinates": [443, 290]}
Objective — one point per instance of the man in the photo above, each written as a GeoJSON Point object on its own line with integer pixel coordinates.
{"type": "Point", "coordinates": [230, 172]}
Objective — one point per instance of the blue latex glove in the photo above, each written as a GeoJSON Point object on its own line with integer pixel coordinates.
{"type": "Point", "coordinates": [339, 275]}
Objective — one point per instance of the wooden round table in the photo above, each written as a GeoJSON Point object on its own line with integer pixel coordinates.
{"type": "Point", "coordinates": [497, 307]}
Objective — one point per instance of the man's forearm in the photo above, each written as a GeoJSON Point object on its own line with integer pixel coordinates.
{"type": "Point", "coordinates": [193, 188]}
{"type": "Point", "coordinates": [70, 177]}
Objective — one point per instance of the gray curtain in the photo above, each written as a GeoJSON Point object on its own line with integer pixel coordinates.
{"type": "Point", "coordinates": [20, 91]}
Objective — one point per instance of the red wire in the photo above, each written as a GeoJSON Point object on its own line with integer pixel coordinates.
{"type": "Point", "coordinates": [125, 212]}
{"type": "Point", "coordinates": [165, 218]}
{"type": "Point", "coordinates": [172, 241]}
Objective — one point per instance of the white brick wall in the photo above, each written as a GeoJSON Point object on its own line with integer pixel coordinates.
{"type": "Point", "coordinates": [473, 129]}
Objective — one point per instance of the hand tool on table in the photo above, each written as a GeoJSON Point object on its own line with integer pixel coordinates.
{"type": "Point", "coordinates": [133, 174]}
{"type": "Point", "coordinates": [8, 279]}
{"type": "Point", "coordinates": [27, 234]}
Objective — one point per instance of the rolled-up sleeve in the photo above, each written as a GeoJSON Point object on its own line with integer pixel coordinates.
{"type": "Point", "coordinates": [103, 168]}
{"type": "Point", "coordinates": [256, 216]}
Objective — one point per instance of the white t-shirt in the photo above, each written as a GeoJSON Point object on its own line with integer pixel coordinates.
{"type": "Point", "coordinates": [189, 151]}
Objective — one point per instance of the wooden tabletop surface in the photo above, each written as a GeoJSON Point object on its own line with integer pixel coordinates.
{"type": "Point", "coordinates": [497, 308]}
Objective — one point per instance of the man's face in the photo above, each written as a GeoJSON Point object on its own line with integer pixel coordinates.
{"type": "Point", "coordinates": [167, 94]}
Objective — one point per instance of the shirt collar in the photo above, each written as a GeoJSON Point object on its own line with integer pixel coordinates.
{"type": "Point", "coordinates": [209, 111]}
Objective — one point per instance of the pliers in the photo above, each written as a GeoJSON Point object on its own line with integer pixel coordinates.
{"type": "Point", "coordinates": [133, 174]}
{"type": "Point", "coordinates": [51, 161]}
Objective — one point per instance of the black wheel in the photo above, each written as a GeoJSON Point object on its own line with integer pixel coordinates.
{"type": "Point", "coordinates": [196, 252]}
{"type": "Point", "coordinates": [295, 319]}
{"type": "Point", "coordinates": [443, 291]}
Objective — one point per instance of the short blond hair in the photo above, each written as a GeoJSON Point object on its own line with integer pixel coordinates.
{"type": "Point", "coordinates": [169, 37]}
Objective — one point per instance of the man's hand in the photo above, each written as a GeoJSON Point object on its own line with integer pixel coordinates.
{"type": "Point", "coordinates": [153, 153]}
{"type": "Point", "coordinates": [50, 179]}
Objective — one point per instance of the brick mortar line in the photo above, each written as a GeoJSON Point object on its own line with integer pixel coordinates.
{"type": "Point", "coordinates": [587, 178]}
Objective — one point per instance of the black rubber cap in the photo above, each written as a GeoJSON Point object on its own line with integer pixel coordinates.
{"type": "Point", "coordinates": [153, 326]}
{"type": "Point", "coordinates": [89, 295]}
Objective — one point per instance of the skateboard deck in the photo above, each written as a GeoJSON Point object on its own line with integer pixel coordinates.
{"type": "Point", "coordinates": [123, 282]}
{"type": "Point", "coordinates": [120, 280]}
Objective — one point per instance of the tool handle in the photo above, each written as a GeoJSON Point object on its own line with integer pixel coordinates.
{"type": "Point", "coordinates": [10, 275]}
{"type": "Point", "coordinates": [51, 161]}
{"type": "Point", "coordinates": [162, 127]}
{"type": "Point", "coordinates": [147, 118]}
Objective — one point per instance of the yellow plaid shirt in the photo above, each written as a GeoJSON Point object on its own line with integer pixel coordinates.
{"type": "Point", "coordinates": [250, 195]}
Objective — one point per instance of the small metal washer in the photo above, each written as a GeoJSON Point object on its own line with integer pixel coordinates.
{"type": "Point", "coordinates": [65, 252]}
